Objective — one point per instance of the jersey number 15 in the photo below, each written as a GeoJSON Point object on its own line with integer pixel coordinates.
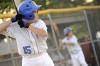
{"type": "Point", "coordinates": [27, 50]}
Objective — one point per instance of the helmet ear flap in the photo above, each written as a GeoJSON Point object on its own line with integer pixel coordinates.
{"type": "Point", "coordinates": [32, 16]}
{"type": "Point", "coordinates": [29, 16]}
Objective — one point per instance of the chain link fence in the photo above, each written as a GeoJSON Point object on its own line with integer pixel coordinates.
{"type": "Point", "coordinates": [85, 25]}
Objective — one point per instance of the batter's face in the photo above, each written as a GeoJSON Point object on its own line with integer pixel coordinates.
{"type": "Point", "coordinates": [36, 18]}
{"type": "Point", "coordinates": [70, 34]}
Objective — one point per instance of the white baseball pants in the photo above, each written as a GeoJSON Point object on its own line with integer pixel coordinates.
{"type": "Point", "coordinates": [78, 59]}
{"type": "Point", "coordinates": [41, 60]}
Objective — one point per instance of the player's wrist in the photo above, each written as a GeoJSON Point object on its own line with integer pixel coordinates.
{"type": "Point", "coordinates": [9, 22]}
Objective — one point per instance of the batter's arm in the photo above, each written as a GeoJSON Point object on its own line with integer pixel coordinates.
{"type": "Point", "coordinates": [38, 31]}
{"type": "Point", "coordinates": [70, 43]}
{"type": "Point", "coordinates": [4, 25]}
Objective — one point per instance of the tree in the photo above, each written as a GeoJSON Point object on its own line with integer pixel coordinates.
{"type": "Point", "coordinates": [5, 5]}
{"type": "Point", "coordinates": [42, 2]}
{"type": "Point", "coordinates": [46, 4]}
{"type": "Point", "coordinates": [96, 2]}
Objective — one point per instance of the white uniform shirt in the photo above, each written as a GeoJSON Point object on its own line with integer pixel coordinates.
{"type": "Point", "coordinates": [72, 49]}
{"type": "Point", "coordinates": [28, 42]}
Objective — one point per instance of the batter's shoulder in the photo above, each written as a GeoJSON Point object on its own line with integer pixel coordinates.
{"type": "Point", "coordinates": [64, 39]}
{"type": "Point", "coordinates": [74, 36]}
{"type": "Point", "coordinates": [41, 21]}
{"type": "Point", "coordinates": [14, 24]}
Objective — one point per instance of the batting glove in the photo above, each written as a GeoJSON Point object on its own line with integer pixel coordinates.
{"type": "Point", "coordinates": [22, 24]}
{"type": "Point", "coordinates": [17, 18]}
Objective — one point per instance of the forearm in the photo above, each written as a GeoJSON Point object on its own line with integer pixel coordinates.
{"type": "Point", "coordinates": [4, 25]}
{"type": "Point", "coordinates": [60, 44]}
{"type": "Point", "coordinates": [37, 31]}
{"type": "Point", "coordinates": [70, 43]}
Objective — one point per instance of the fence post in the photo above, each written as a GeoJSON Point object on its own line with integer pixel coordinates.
{"type": "Point", "coordinates": [87, 22]}
{"type": "Point", "coordinates": [54, 36]}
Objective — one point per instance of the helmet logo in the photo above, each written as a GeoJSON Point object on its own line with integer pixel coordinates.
{"type": "Point", "coordinates": [30, 15]}
{"type": "Point", "coordinates": [29, 1]}
{"type": "Point", "coordinates": [27, 6]}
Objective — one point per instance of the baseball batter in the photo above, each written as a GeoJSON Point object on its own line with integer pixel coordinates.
{"type": "Point", "coordinates": [74, 48]}
{"type": "Point", "coordinates": [30, 33]}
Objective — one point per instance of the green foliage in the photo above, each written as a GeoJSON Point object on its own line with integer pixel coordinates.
{"type": "Point", "coordinates": [50, 4]}
{"type": "Point", "coordinates": [59, 3]}
{"type": "Point", "coordinates": [96, 2]}
{"type": "Point", "coordinates": [41, 2]}
{"type": "Point", "coordinates": [46, 4]}
{"type": "Point", "coordinates": [5, 5]}
{"type": "Point", "coordinates": [80, 30]}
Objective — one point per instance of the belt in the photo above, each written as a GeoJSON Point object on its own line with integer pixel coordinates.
{"type": "Point", "coordinates": [36, 55]}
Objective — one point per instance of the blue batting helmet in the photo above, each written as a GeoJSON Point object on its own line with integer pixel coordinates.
{"type": "Point", "coordinates": [67, 30]}
{"type": "Point", "coordinates": [26, 8]}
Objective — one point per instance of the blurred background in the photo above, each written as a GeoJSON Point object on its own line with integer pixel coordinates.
{"type": "Point", "coordinates": [83, 16]}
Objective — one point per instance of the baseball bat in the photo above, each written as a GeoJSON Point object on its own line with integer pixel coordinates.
{"type": "Point", "coordinates": [15, 5]}
{"type": "Point", "coordinates": [58, 34]}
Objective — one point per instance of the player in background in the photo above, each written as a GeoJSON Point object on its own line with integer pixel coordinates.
{"type": "Point", "coordinates": [30, 33]}
{"type": "Point", "coordinates": [74, 48]}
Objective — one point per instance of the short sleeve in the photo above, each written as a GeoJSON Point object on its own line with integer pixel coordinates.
{"type": "Point", "coordinates": [63, 41]}
{"type": "Point", "coordinates": [40, 24]}
{"type": "Point", "coordinates": [74, 39]}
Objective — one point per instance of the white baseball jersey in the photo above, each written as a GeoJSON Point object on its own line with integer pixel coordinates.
{"type": "Point", "coordinates": [28, 42]}
{"type": "Point", "coordinates": [72, 49]}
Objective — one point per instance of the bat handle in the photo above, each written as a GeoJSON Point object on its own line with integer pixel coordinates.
{"type": "Point", "coordinates": [15, 6]}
